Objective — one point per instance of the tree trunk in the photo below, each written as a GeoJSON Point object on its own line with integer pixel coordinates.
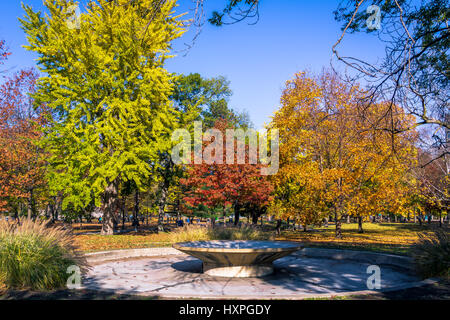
{"type": "Point", "coordinates": [254, 219]}
{"type": "Point", "coordinates": [348, 218]}
{"type": "Point", "coordinates": [57, 208]}
{"type": "Point", "coordinates": [30, 205]}
{"type": "Point", "coordinates": [47, 212]}
{"type": "Point", "coordinates": [136, 210]}
{"type": "Point", "coordinates": [161, 206]}
{"type": "Point", "coordinates": [124, 211]}
{"type": "Point", "coordinates": [108, 209]}
{"type": "Point", "coordinates": [338, 232]}
{"type": "Point", "coordinates": [278, 227]}
{"type": "Point", "coordinates": [16, 216]}
{"type": "Point", "coordinates": [51, 209]}
{"type": "Point", "coordinates": [236, 213]}
{"type": "Point", "coordinates": [224, 218]}
{"type": "Point", "coordinates": [305, 227]}
{"type": "Point", "coordinates": [360, 225]}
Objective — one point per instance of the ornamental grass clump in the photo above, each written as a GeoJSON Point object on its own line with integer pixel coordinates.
{"type": "Point", "coordinates": [35, 256]}
{"type": "Point", "coordinates": [242, 233]}
{"type": "Point", "coordinates": [432, 254]}
{"type": "Point", "coordinates": [199, 233]}
{"type": "Point", "coordinates": [189, 233]}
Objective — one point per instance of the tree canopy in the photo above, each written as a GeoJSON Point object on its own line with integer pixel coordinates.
{"type": "Point", "coordinates": [332, 161]}
{"type": "Point", "coordinates": [108, 92]}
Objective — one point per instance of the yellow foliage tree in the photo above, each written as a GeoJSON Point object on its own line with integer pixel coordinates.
{"type": "Point", "coordinates": [333, 160]}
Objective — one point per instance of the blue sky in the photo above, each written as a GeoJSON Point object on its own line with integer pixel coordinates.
{"type": "Point", "coordinates": [291, 35]}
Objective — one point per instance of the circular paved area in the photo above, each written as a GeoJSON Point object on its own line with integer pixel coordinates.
{"type": "Point", "coordinates": [296, 276]}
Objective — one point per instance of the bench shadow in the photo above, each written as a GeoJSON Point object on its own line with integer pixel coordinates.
{"type": "Point", "coordinates": [192, 266]}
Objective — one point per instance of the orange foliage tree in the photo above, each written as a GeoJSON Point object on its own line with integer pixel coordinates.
{"type": "Point", "coordinates": [333, 160]}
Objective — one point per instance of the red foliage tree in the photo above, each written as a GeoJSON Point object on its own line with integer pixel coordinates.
{"type": "Point", "coordinates": [21, 161]}
{"type": "Point", "coordinates": [217, 185]}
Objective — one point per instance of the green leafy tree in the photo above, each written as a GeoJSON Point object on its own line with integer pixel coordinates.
{"type": "Point", "coordinates": [109, 94]}
{"type": "Point", "coordinates": [211, 96]}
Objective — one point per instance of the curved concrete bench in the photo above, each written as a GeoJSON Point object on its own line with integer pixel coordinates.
{"type": "Point", "coordinates": [96, 257]}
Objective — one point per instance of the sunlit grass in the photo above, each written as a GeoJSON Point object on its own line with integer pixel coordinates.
{"type": "Point", "coordinates": [97, 242]}
{"type": "Point", "coordinates": [385, 237]}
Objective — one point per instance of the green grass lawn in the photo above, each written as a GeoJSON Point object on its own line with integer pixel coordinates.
{"type": "Point", "coordinates": [382, 237]}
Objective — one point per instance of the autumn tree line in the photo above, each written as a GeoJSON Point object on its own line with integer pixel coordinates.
{"type": "Point", "coordinates": [91, 130]}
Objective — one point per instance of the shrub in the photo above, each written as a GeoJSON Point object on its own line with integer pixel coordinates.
{"type": "Point", "coordinates": [243, 233]}
{"type": "Point", "coordinates": [198, 233]}
{"type": "Point", "coordinates": [432, 254]}
{"type": "Point", "coordinates": [36, 256]}
{"type": "Point", "coordinates": [189, 233]}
